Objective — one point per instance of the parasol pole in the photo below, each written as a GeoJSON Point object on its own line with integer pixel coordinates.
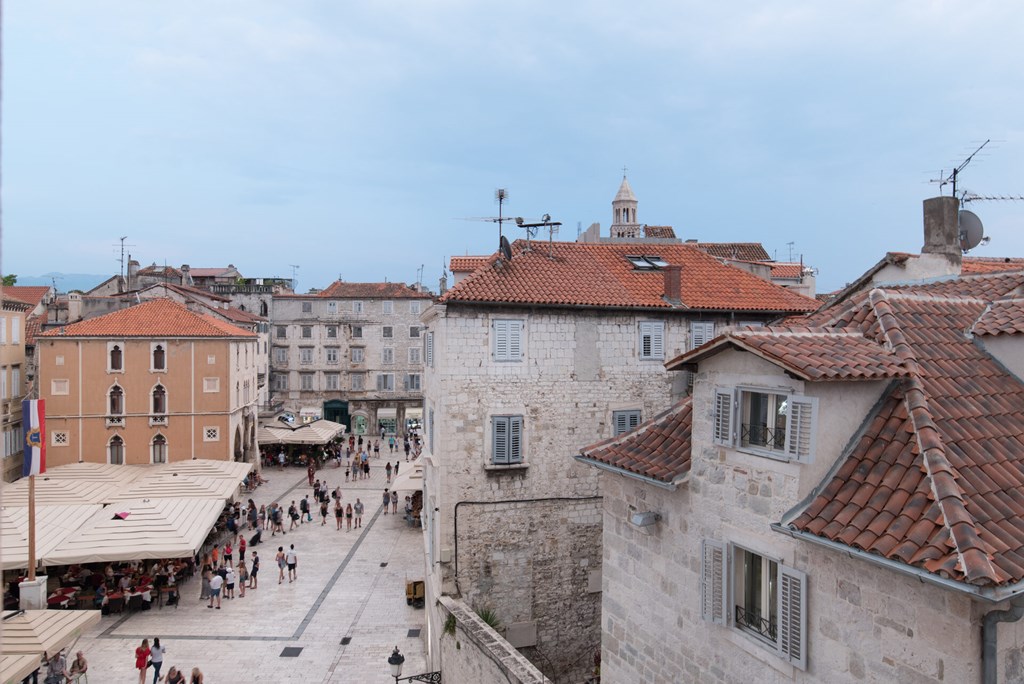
{"type": "Point", "coordinates": [31, 528]}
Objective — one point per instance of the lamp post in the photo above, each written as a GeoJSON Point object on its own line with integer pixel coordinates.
{"type": "Point", "coordinates": [396, 659]}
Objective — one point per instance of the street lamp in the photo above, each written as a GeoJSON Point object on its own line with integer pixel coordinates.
{"type": "Point", "coordinates": [396, 659]}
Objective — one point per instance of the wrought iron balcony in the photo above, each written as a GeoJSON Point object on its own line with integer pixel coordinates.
{"type": "Point", "coordinates": [763, 436]}
{"type": "Point", "coordinates": [753, 621]}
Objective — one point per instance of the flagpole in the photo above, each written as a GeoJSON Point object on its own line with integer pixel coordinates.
{"type": "Point", "coordinates": [31, 528]}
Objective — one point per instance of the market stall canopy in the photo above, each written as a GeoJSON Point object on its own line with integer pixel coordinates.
{"type": "Point", "coordinates": [409, 479]}
{"type": "Point", "coordinates": [317, 432]}
{"type": "Point", "coordinates": [34, 631]}
{"type": "Point", "coordinates": [54, 524]}
{"type": "Point", "coordinates": [140, 529]}
{"type": "Point", "coordinates": [14, 668]}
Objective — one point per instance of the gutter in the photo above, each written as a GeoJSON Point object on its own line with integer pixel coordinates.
{"type": "Point", "coordinates": [989, 632]}
{"type": "Point", "coordinates": [670, 486]}
{"type": "Point", "coordinates": [992, 595]}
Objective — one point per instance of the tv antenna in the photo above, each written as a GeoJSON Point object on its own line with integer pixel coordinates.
{"type": "Point", "coordinates": [501, 197]}
{"type": "Point", "coordinates": [790, 245]}
{"type": "Point", "coordinates": [951, 179]}
{"type": "Point", "coordinates": [121, 258]}
{"type": "Point", "coordinates": [295, 270]}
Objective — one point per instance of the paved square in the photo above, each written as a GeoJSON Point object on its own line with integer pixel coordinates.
{"type": "Point", "coordinates": [346, 611]}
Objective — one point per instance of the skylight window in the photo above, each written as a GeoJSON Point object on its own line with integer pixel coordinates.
{"type": "Point", "coordinates": [647, 262]}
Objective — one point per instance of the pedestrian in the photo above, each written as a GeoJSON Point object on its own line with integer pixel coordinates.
{"type": "Point", "coordinates": [216, 582]}
{"type": "Point", "coordinates": [366, 470]}
{"type": "Point", "coordinates": [215, 556]}
{"type": "Point", "coordinates": [309, 508]}
{"type": "Point", "coordinates": [229, 581]}
{"type": "Point", "coordinates": [303, 510]}
{"type": "Point", "coordinates": [311, 472]}
{"type": "Point", "coordinates": [357, 513]}
{"type": "Point", "coordinates": [376, 448]}
{"type": "Point", "coordinates": [263, 515]}
{"type": "Point", "coordinates": [348, 466]}
{"type": "Point", "coordinates": [293, 513]}
{"type": "Point", "coordinates": [243, 577]}
{"type": "Point", "coordinates": [396, 467]}
{"type": "Point", "coordinates": [394, 502]}
{"type": "Point", "coordinates": [280, 460]}
{"type": "Point", "coordinates": [391, 444]}
{"type": "Point", "coordinates": [292, 559]}
{"type": "Point", "coordinates": [228, 553]}
{"type": "Point", "coordinates": [204, 591]}
{"type": "Point", "coordinates": [407, 447]}
{"type": "Point", "coordinates": [359, 442]}
{"type": "Point", "coordinates": [348, 517]}
{"type": "Point", "coordinates": [142, 660]}
{"type": "Point", "coordinates": [382, 432]}
{"type": "Point", "coordinates": [338, 512]}
{"type": "Point", "coordinates": [323, 512]}
{"type": "Point", "coordinates": [241, 548]}
{"type": "Point", "coordinates": [197, 676]}
{"type": "Point", "coordinates": [316, 490]}
{"type": "Point", "coordinates": [156, 657]}
{"type": "Point", "coordinates": [174, 676]}
{"type": "Point", "coordinates": [254, 570]}
{"type": "Point", "coordinates": [387, 500]}
{"type": "Point", "coordinates": [387, 472]}
{"type": "Point", "coordinates": [280, 564]}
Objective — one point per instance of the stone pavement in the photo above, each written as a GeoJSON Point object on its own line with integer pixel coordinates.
{"type": "Point", "coordinates": [350, 588]}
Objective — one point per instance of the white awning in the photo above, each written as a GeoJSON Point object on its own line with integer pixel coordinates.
{"type": "Point", "coordinates": [411, 413]}
{"type": "Point", "coordinates": [409, 478]}
{"type": "Point", "coordinates": [387, 413]}
{"type": "Point", "coordinates": [54, 524]}
{"type": "Point", "coordinates": [35, 631]}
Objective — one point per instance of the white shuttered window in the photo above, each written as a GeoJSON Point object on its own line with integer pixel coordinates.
{"type": "Point", "coordinates": [652, 340]}
{"type": "Point", "coordinates": [508, 339]}
{"type": "Point", "coordinates": [506, 440]}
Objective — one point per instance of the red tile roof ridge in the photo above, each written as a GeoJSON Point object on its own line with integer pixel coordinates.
{"type": "Point", "coordinates": [945, 492]}
{"type": "Point", "coordinates": [161, 317]}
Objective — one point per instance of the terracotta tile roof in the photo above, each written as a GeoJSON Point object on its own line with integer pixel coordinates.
{"type": "Point", "coordinates": [599, 275]}
{"type": "Point", "coordinates": [192, 291]}
{"type": "Point", "coordinates": [936, 479]}
{"type": "Point", "coordinates": [744, 251]}
{"type": "Point", "coordinates": [811, 354]}
{"type": "Point", "coordinates": [1004, 316]}
{"type": "Point", "coordinates": [662, 232]}
{"type": "Point", "coordinates": [32, 294]}
{"type": "Point", "coordinates": [153, 269]}
{"type": "Point", "coordinates": [211, 272]}
{"type": "Point", "coordinates": [33, 327]}
{"type": "Point", "coordinates": [787, 270]}
{"type": "Point", "coordinates": [15, 303]}
{"type": "Point", "coordinates": [974, 265]}
{"type": "Point", "coordinates": [467, 264]}
{"type": "Point", "coordinates": [658, 449]}
{"type": "Point", "coordinates": [153, 318]}
{"type": "Point", "coordinates": [343, 290]}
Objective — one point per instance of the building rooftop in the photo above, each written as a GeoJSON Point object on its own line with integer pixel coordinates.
{"type": "Point", "coordinates": [742, 251]}
{"type": "Point", "coordinates": [153, 318]}
{"type": "Point", "coordinates": [343, 290]}
{"type": "Point", "coordinates": [30, 294]}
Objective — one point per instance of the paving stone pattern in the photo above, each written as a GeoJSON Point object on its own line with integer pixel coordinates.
{"type": "Point", "coordinates": [351, 585]}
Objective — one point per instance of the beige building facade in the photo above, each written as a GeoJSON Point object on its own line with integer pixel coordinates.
{"type": "Point", "coordinates": [13, 381]}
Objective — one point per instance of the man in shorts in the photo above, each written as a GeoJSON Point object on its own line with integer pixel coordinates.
{"type": "Point", "coordinates": [357, 512]}
{"type": "Point", "coordinates": [387, 500]}
{"type": "Point", "coordinates": [255, 570]}
{"type": "Point", "coordinates": [292, 559]}
{"type": "Point", "coordinates": [216, 582]}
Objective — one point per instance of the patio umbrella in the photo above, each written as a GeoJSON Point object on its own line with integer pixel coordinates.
{"type": "Point", "coordinates": [14, 668]}
{"type": "Point", "coordinates": [54, 524]}
{"type": "Point", "coordinates": [34, 631]}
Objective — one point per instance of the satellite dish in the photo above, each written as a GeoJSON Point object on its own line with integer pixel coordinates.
{"type": "Point", "coordinates": [971, 230]}
{"type": "Point", "coordinates": [505, 248]}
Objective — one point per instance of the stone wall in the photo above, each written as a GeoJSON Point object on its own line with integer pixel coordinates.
{"type": "Point", "coordinates": [471, 651]}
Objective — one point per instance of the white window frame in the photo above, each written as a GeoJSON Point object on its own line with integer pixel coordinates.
{"type": "Point", "coordinates": [387, 307]}
{"type": "Point", "coordinates": [3, 329]}
{"type": "Point", "coordinates": [414, 331]}
{"type": "Point", "coordinates": [701, 332]}
{"type": "Point", "coordinates": [332, 307]}
{"type": "Point", "coordinates": [211, 385]}
{"type": "Point", "coordinates": [306, 332]}
{"type": "Point", "coordinates": [280, 381]}
{"type": "Point", "coordinates": [16, 381]}
{"type": "Point", "coordinates": [507, 340]}
{"type": "Point", "coordinates": [152, 450]}
{"type": "Point", "coordinates": [15, 330]}
{"type": "Point", "coordinates": [307, 382]}
{"type": "Point", "coordinates": [358, 381]}
{"type": "Point", "coordinates": [718, 582]}
{"type": "Point", "coordinates": [280, 355]}
{"type": "Point", "coordinates": [651, 341]}
{"type": "Point", "coordinates": [413, 382]}
{"type": "Point", "coordinates": [387, 355]}
{"type": "Point", "coordinates": [414, 307]}
{"type": "Point", "coordinates": [357, 332]}
{"type": "Point", "coordinates": [357, 307]}
{"type": "Point", "coordinates": [415, 355]}
{"type": "Point", "coordinates": [211, 360]}
{"type": "Point", "coordinates": [507, 440]}
{"type": "Point", "coordinates": [110, 451]}
{"type": "Point", "coordinates": [305, 355]}
{"type": "Point", "coordinates": [332, 332]}
{"type": "Point", "coordinates": [58, 360]}
{"type": "Point", "coordinates": [60, 387]}
{"type": "Point", "coordinates": [801, 420]}
{"type": "Point", "coordinates": [625, 420]}
{"type": "Point", "coordinates": [385, 382]}
{"type": "Point", "coordinates": [119, 345]}
{"type": "Point", "coordinates": [332, 381]}
{"type": "Point", "coordinates": [332, 355]}
{"type": "Point", "coordinates": [4, 394]}
{"type": "Point", "coordinates": [358, 354]}
{"type": "Point", "coordinates": [153, 347]}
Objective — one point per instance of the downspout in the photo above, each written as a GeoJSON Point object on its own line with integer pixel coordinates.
{"type": "Point", "coordinates": [989, 628]}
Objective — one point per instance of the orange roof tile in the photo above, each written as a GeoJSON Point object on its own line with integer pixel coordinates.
{"type": "Point", "coordinates": [467, 264]}
{"type": "Point", "coordinates": [599, 275]}
{"type": "Point", "coordinates": [787, 270]}
{"type": "Point", "coordinates": [658, 449]}
{"type": "Point", "coordinates": [974, 265]}
{"type": "Point", "coordinates": [33, 327]}
{"type": "Point", "coordinates": [32, 294]}
{"type": "Point", "coordinates": [153, 318]}
{"type": "Point", "coordinates": [662, 232]}
{"type": "Point", "coordinates": [341, 289]}
{"type": "Point", "coordinates": [1002, 317]}
{"type": "Point", "coordinates": [743, 251]}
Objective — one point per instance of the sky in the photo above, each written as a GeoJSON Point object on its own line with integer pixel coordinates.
{"type": "Point", "coordinates": [352, 139]}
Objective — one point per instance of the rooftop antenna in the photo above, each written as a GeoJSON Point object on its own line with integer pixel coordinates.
{"type": "Point", "coordinates": [531, 230]}
{"type": "Point", "coordinates": [501, 197]}
{"type": "Point", "coordinates": [295, 270]}
{"type": "Point", "coordinates": [790, 245]}
{"type": "Point", "coordinates": [121, 259]}
{"type": "Point", "coordinates": [419, 278]}
{"type": "Point", "coordinates": [954, 175]}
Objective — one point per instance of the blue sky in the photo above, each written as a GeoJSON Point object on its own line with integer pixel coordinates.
{"type": "Point", "coordinates": [349, 137]}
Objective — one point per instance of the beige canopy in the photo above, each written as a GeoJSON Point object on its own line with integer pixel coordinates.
{"type": "Point", "coordinates": [140, 529]}
{"type": "Point", "coordinates": [34, 631]}
{"type": "Point", "coordinates": [317, 432]}
{"type": "Point", "coordinates": [60, 491]}
{"type": "Point", "coordinates": [409, 478]}
{"type": "Point", "coordinates": [14, 668]}
{"type": "Point", "coordinates": [54, 524]}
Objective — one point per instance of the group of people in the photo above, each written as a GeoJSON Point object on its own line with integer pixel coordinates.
{"type": "Point", "coordinates": [59, 671]}
{"type": "Point", "coordinates": [221, 575]}
{"type": "Point", "coordinates": [147, 656]}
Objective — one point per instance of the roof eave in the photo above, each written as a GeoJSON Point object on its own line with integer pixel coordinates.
{"type": "Point", "coordinates": [671, 486]}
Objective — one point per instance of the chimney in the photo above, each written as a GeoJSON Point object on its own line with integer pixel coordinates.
{"type": "Point", "coordinates": [133, 274]}
{"type": "Point", "coordinates": [673, 286]}
{"type": "Point", "coordinates": [942, 229]}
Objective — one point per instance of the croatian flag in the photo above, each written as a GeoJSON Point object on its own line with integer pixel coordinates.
{"type": "Point", "coordinates": [33, 417]}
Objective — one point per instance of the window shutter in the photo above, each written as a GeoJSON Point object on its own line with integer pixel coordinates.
{"type": "Point", "coordinates": [429, 353]}
{"type": "Point", "coordinates": [515, 340]}
{"type": "Point", "coordinates": [701, 332]}
{"type": "Point", "coordinates": [723, 417]}
{"type": "Point", "coordinates": [499, 440]}
{"type": "Point", "coordinates": [658, 340]}
{"type": "Point", "coordinates": [800, 428]}
{"type": "Point", "coordinates": [515, 439]}
{"type": "Point", "coordinates": [712, 582]}
{"type": "Point", "coordinates": [793, 616]}
{"type": "Point", "coordinates": [621, 422]}
{"type": "Point", "coordinates": [500, 340]}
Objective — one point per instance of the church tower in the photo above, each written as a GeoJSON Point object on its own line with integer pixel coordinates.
{"type": "Point", "coordinates": [624, 224]}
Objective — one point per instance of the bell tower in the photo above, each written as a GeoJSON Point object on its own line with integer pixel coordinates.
{"type": "Point", "coordinates": [624, 223]}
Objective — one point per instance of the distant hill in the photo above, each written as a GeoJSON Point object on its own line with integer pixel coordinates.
{"type": "Point", "coordinates": [65, 281]}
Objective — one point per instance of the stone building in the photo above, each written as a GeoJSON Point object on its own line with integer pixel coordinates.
{"type": "Point", "coordinates": [13, 313]}
{"type": "Point", "coordinates": [527, 359]}
{"type": "Point", "coordinates": [352, 353]}
{"type": "Point", "coordinates": [840, 500]}
{"type": "Point", "coordinates": [152, 383]}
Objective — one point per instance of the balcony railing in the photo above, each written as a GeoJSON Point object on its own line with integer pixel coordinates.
{"type": "Point", "coordinates": [752, 620]}
{"type": "Point", "coordinates": [115, 421]}
{"type": "Point", "coordinates": [763, 436]}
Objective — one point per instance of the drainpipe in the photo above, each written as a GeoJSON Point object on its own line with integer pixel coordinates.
{"type": "Point", "coordinates": [989, 625]}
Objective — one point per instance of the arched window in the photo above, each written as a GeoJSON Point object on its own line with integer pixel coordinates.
{"type": "Point", "coordinates": [116, 358]}
{"type": "Point", "coordinates": [115, 450]}
{"type": "Point", "coordinates": [263, 309]}
{"type": "Point", "coordinates": [159, 400]}
{"type": "Point", "coordinates": [116, 401]}
{"type": "Point", "coordinates": [159, 357]}
{"type": "Point", "coordinates": [159, 449]}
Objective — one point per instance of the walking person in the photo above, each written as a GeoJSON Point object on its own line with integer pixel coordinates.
{"type": "Point", "coordinates": [303, 509]}
{"type": "Point", "coordinates": [396, 468]}
{"type": "Point", "coordinates": [376, 448]}
{"type": "Point", "coordinates": [292, 559]}
{"type": "Point", "coordinates": [323, 512]}
{"type": "Point", "coordinates": [293, 514]}
{"type": "Point", "coordinates": [348, 517]}
{"type": "Point", "coordinates": [357, 513]}
{"type": "Point", "coordinates": [156, 657]}
{"type": "Point", "coordinates": [215, 556]}
{"type": "Point", "coordinates": [229, 582]}
{"type": "Point", "coordinates": [387, 500]}
{"type": "Point", "coordinates": [366, 470]}
{"type": "Point", "coordinates": [338, 512]}
{"type": "Point", "coordinates": [253, 580]}
{"type": "Point", "coordinates": [394, 502]}
{"type": "Point", "coordinates": [204, 591]}
{"type": "Point", "coordinates": [241, 548]}
{"type": "Point", "coordinates": [391, 444]}
{"type": "Point", "coordinates": [142, 660]}
{"type": "Point", "coordinates": [228, 551]}
{"type": "Point", "coordinates": [280, 564]}
{"type": "Point", "coordinates": [216, 582]}
{"type": "Point", "coordinates": [243, 577]}
{"type": "Point", "coordinates": [407, 447]}
{"type": "Point", "coordinates": [387, 472]}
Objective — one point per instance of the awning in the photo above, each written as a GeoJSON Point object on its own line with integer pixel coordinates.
{"type": "Point", "coordinates": [140, 529]}
{"type": "Point", "coordinates": [14, 668]}
{"type": "Point", "coordinates": [181, 485]}
{"type": "Point", "coordinates": [410, 478]}
{"type": "Point", "coordinates": [54, 524]}
{"type": "Point", "coordinates": [34, 631]}
{"type": "Point", "coordinates": [317, 432]}
{"type": "Point", "coordinates": [414, 413]}
{"type": "Point", "coordinates": [387, 413]}
{"type": "Point", "coordinates": [60, 491]}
